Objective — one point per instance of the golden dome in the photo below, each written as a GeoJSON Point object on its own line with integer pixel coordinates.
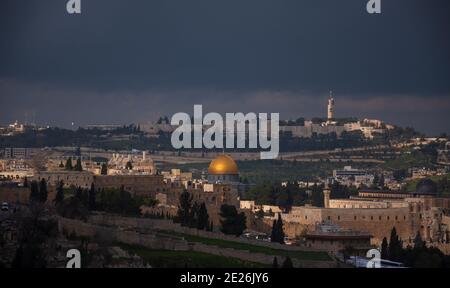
{"type": "Point", "coordinates": [223, 164]}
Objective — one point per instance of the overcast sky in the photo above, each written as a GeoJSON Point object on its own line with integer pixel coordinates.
{"type": "Point", "coordinates": [124, 61]}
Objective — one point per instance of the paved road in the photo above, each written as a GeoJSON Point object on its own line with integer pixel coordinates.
{"type": "Point", "coordinates": [197, 157]}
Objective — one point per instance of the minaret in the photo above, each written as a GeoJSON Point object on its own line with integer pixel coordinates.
{"type": "Point", "coordinates": [330, 114]}
{"type": "Point", "coordinates": [326, 197]}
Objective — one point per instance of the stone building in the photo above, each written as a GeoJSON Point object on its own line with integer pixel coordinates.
{"type": "Point", "coordinates": [376, 212]}
{"type": "Point", "coordinates": [221, 186]}
{"type": "Point", "coordinates": [223, 169]}
{"type": "Point", "coordinates": [332, 238]}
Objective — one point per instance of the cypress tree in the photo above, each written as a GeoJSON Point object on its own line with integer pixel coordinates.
{"type": "Point", "coordinates": [203, 218]}
{"type": "Point", "coordinates": [59, 193]}
{"type": "Point", "coordinates": [34, 194]}
{"type": "Point", "coordinates": [92, 197]}
{"type": "Point", "coordinates": [384, 249]}
{"type": "Point", "coordinates": [78, 166]}
{"type": "Point", "coordinates": [277, 231]}
{"type": "Point", "coordinates": [418, 242]}
{"type": "Point", "coordinates": [275, 262]}
{"type": "Point", "coordinates": [273, 235]}
{"type": "Point", "coordinates": [395, 246]}
{"type": "Point", "coordinates": [287, 263]}
{"type": "Point", "coordinates": [43, 193]}
{"type": "Point", "coordinates": [184, 208]}
{"type": "Point", "coordinates": [104, 170]}
{"type": "Point", "coordinates": [79, 193]}
{"type": "Point", "coordinates": [69, 165]}
{"type": "Point", "coordinates": [193, 215]}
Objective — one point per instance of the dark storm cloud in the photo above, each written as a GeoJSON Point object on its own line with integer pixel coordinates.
{"type": "Point", "coordinates": [123, 55]}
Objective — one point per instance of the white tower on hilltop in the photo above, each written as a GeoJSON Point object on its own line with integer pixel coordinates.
{"type": "Point", "coordinates": [330, 114]}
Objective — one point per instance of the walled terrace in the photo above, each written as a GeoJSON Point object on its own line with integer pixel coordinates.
{"type": "Point", "coordinates": [161, 234]}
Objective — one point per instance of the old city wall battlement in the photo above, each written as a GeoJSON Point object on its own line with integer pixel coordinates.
{"type": "Point", "coordinates": [168, 225]}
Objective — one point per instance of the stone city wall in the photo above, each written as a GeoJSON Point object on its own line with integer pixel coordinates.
{"type": "Point", "coordinates": [154, 241]}
{"type": "Point", "coordinates": [141, 185]}
{"type": "Point", "coordinates": [112, 234]}
{"type": "Point", "coordinates": [168, 225]}
{"type": "Point", "coordinates": [21, 195]}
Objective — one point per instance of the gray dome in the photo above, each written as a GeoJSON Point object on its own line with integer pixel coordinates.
{"type": "Point", "coordinates": [426, 186]}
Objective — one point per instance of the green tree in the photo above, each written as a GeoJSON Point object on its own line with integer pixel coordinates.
{"type": "Point", "coordinates": [277, 234]}
{"type": "Point", "coordinates": [395, 246]}
{"type": "Point", "coordinates": [418, 242]}
{"type": "Point", "coordinates": [287, 263]}
{"type": "Point", "coordinates": [203, 218]}
{"type": "Point", "coordinates": [384, 249]}
{"type": "Point", "coordinates": [92, 196]}
{"type": "Point", "coordinates": [193, 215]}
{"type": "Point", "coordinates": [104, 170]}
{"type": "Point", "coordinates": [129, 165]}
{"type": "Point", "coordinates": [59, 193]}
{"type": "Point", "coordinates": [260, 214]}
{"type": "Point", "coordinates": [232, 222]}
{"type": "Point", "coordinates": [34, 194]}
{"type": "Point", "coordinates": [317, 195]}
{"type": "Point", "coordinates": [33, 233]}
{"type": "Point", "coordinates": [184, 208]}
{"type": "Point", "coordinates": [275, 262]}
{"type": "Point", "coordinates": [116, 201]}
{"type": "Point", "coordinates": [43, 193]}
{"type": "Point", "coordinates": [79, 194]}
{"type": "Point", "coordinates": [78, 166]}
{"type": "Point", "coordinates": [69, 165]}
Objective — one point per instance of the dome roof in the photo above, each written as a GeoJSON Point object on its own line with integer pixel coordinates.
{"type": "Point", "coordinates": [426, 186]}
{"type": "Point", "coordinates": [222, 165]}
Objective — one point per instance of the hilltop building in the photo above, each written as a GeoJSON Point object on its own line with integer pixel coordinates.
{"type": "Point", "coordinates": [330, 107]}
{"type": "Point", "coordinates": [352, 177]}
